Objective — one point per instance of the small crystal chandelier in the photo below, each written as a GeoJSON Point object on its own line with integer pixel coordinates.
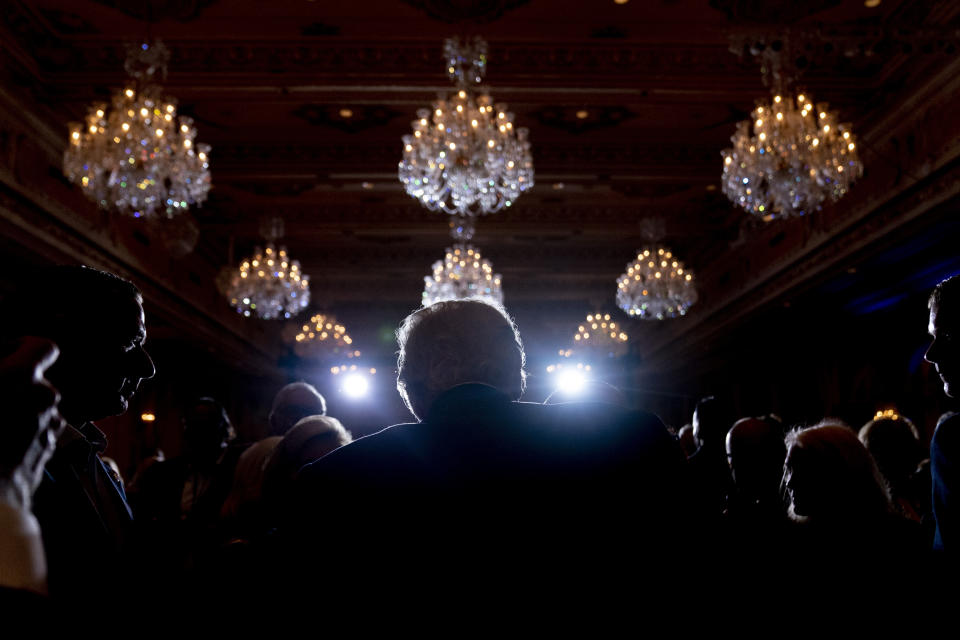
{"type": "Point", "coordinates": [601, 337]}
{"type": "Point", "coordinates": [137, 157]}
{"type": "Point", "coordinates": [463, 273]}
{"type": "Point", "coordinates": [792, 155]}
{"type": "Point", "coordinates": [465, 156]}
{"type": "Point", "coordinates": [656, 286]}
{"type": "Point", "coordinates": [323, 337]}
{"type": "Point", "coordinates": [269, 285]}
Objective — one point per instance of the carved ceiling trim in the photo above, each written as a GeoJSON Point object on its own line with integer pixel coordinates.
{"type": "Point", "coordinates": [670, 155]}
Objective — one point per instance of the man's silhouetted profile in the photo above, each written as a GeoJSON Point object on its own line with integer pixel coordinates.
{"type": "Point", "coordinates": [96, 319]}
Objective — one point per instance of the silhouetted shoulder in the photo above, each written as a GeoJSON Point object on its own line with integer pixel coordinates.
{"type": "Point", "coordinates": [948, 431]}
{"type": "Point", "coordinates": [369, 450]}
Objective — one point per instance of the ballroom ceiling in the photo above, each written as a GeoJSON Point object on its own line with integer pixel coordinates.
{"type": "Point", "coordinates": [628, 106]}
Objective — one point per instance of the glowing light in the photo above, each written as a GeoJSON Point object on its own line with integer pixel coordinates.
{"type": "Point", "coordinates": [355, 385]}
{"type": "Point", "coordinates": [147, 417]}
{"type": "Point", "coordinates": [571, 381]}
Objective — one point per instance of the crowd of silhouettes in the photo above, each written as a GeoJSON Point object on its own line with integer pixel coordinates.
{"type": "Point", "coordinates": [479, 486]}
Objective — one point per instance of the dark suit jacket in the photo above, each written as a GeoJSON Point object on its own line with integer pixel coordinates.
{"type": "Point", "coordinates": [84, 517]}
{"type": "Point", "coordinates": [944, 452]}
{"type": "Point", "coordinates": [486, 478]}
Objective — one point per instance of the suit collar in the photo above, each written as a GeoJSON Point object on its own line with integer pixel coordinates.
{"type": "Point", "coordinates": [453, 401]}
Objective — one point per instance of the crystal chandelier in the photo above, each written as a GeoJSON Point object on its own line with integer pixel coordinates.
{"type": "Point", "coordinates": [322, 337]}
{"type": "Point", "coordinates": [656, 285]}
{"type": "Point", "coordinates": [600, 336]}
{"type": "Point", "coordinates": [792, 155]}
{"type": "Point", "coordinates": [463, 273]}
{"type": "Point", "coordinates": [268, 285]}
{"type": "Point", "coordinates": [465, 156]}
{"type": "Point", "coordinates": [137, 156]}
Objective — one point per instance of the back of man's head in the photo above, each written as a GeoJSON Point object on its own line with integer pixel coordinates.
{"type": "Point", "coordinates": [293, 403]}
{"type": "Point", "coordinates": [457, 342]}
{"type": "Point", "coordinates": [756, 451]}
{"type": "Point", "coordinates": [206, 429]}
{"type": "Point", "coordinates": [711, 421]}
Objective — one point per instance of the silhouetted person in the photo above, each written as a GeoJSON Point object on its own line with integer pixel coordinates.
{"type": "Point", "coordinates": [28, 436]}
{"type": "Point", "coordinates": [944, 353]}
{"type": "Point", "coordinates": [96, 319]}
{"type": "Point", "coordinates": [710, 473]}
{"type": "Point", "coordinates": [309, 440]}
{"type": "Point", "coordinates": [482, 483]}
{"type": "Point", "coordinates": [293, 403]}
{"type": "Point", "coordinates": [839, 499]}
{"type": "Point", "coordinates": [243, 509]}
{"type": "Point", "coordinates": [894, 443]}
{"type": "Point", "coordinates": [191, 488]}
{"type": "Point", "coordinates": [756, 452]}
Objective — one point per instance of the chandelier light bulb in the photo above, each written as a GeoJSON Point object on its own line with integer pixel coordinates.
{"type": "Point", "coordinates": [136, 156]}
{"type": "Point", "coordinates": [463, 273]}
{"type": "Point", "coordinates": [465, 156]}
{"type": "Point", "coordinates": [789, 158]}
{"type": "Point", "coordinates": [656, 286]}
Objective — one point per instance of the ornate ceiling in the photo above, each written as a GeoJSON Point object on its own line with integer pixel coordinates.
{"type": "Point", "coordinates": [628, 105]}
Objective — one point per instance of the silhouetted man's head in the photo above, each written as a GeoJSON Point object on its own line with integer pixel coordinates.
{"type": "Point", "coordinates": [293, 403]}
{"type": "Point", "coordinates": [710, 423]}
{"type": "Point", "coordinates": [96, 319]}
{"type": "Point", "coordinates": [206, 430]}
{"type": "Point", "coordinates": [756, 453]}
{"type": "Point", "coordinates": [457, 342]}
{"type": "Point", "coordinates": [944, 328]}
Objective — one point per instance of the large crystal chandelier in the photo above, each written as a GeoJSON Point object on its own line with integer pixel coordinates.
{"type": "Point", "coordinates": [269, 284]}
{"type": "Point", "coordinates": [136, 156]}
{"type": "Point", "coordinates": [465, 156]}
{"type": "Point", "coordinates": [656, 286]}
{"type": "Point", "coordinates": [600, 337]}
{"type": "Point", "coordinates": [463, 273]}
{"type": "Point", "coordinates": [792, 155]}
{"type": "Point", "coordinates": [789, 158]}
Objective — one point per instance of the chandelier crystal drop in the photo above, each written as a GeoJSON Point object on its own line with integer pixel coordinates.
{"type": "Point", "coordinates": [136, 156]}
{"type": "Point", "coordinates": [269, 284]}
{"type": "Point", "coordinates": [600, 336]}
{"type": "Point", "coordinates": [656, 286]}
{"type": "Point", "coordinates": [789, 158]}
{"type": "Point", "coordinates": [463, 273]}
{"type": "Point", "coordinates": [465, 156]}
